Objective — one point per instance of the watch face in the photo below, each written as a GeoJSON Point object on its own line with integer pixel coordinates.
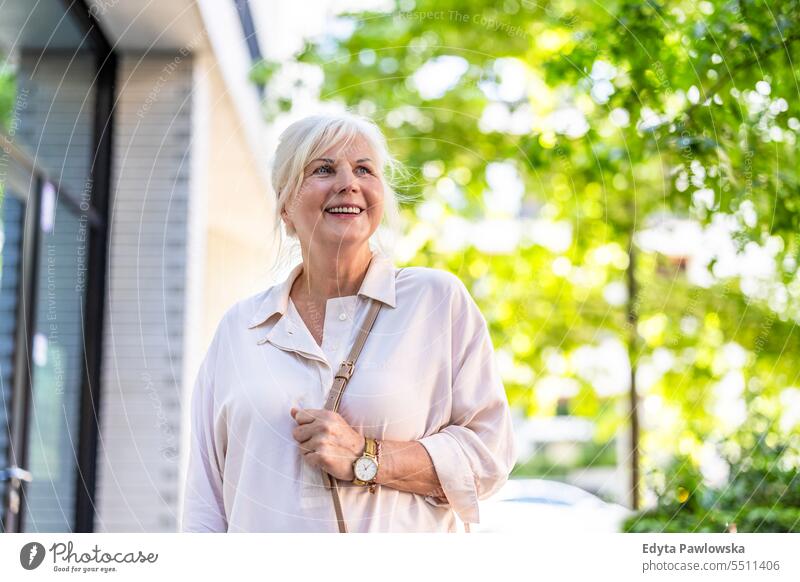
{"type": "Point", "coordinates": [366, 469]}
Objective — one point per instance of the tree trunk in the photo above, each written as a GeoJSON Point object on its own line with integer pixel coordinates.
{"type": "Point", "coordinates": [632, 339]}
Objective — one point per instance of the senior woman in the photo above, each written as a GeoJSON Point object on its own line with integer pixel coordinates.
{"type": "Point", "coordinates": [423, 431]}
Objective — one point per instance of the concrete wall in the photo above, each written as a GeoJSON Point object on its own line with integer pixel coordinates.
{"type": "Point", "coordinates": [139, 446]}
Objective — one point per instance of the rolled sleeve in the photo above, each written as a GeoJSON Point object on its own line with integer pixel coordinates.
{"type": "Point", "coordinates": [203, 509]}
{"type": "Point", "coordinates": [455, 476]}
{"type": "Point", "coordinates": [475, 452]}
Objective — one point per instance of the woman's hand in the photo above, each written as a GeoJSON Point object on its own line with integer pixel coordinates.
{"type": "Point", "coordinates": [327, 441]}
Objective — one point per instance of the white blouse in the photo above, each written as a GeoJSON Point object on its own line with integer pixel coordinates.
{"type": "Point", "coordinates": [427, 373]}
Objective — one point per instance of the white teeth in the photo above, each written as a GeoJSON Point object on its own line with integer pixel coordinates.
{"type": "Point", "coordinates": [344, 210]}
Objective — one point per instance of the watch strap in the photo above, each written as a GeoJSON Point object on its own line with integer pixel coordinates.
{"type": "Point", "coordinates": [370, 448]}
{"type": "Point", "coordinates": [373, 484]}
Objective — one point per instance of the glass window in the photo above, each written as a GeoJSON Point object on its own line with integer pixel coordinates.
{"type": "Point", "coordinates": [12, 214]}
{"type": "Point", "coordinates": [57, 358]}
{"type": "Point", "coordinates": [48, 114]}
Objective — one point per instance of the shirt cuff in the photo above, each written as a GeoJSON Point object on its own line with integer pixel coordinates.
{"type": "Point", "coordinates": [455, 476]}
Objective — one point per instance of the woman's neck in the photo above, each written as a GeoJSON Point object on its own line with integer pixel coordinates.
{"type": "Point", "coordinates": [333, 272]}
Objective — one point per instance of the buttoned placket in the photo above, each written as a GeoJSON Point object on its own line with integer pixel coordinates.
{"type": "Point", "coordinates": [336, 337]}
{"type": "Point", "coordinates": [339, 314]}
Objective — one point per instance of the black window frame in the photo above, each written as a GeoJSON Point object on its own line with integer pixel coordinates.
{"type": "Point", "coordinates": [99, 188]}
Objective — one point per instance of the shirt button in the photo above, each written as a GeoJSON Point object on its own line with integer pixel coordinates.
{"type": "Point", "coordinates": [342, 316]}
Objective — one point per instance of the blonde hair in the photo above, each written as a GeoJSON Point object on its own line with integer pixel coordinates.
{"type": "Point", "coordinates": [306, 140]}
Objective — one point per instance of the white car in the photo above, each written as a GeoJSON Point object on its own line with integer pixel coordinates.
{"type": "Point", "coordinates": [542, 506]}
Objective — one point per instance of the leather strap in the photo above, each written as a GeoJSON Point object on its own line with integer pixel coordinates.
{"type": "Point", "coordinates": [346, 370]}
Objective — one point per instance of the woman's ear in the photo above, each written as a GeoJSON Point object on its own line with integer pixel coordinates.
{"type": "Point", "coordinates": [285, 217]}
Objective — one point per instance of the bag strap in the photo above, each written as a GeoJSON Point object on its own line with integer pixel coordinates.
{"type": "Point", "coordinates": [346, 370]}
{"type": "Point", "coordinates": [347, 367]}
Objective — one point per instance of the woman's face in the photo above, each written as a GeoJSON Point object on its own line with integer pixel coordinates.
{"type": "Point", "coordinates": [341, 199]}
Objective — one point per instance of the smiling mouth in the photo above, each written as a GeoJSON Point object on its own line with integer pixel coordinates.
{"type": "Point", "coordinates": [344, 210]}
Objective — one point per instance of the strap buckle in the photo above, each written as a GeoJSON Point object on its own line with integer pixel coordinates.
{"type": "Point", "coordinates": [346, 369]}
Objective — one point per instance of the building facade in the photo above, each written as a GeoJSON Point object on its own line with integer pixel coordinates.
{"type": "Point", "coordinates": [134, 210]}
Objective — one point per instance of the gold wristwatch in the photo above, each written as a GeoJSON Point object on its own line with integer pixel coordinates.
{"type": "Point", "coordinates": [365, 467]}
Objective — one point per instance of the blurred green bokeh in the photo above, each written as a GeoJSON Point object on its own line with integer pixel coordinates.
{"type": "Point", "coordinates": [617, 185]}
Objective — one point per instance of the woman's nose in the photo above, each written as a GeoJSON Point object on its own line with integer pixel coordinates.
{"type": "Point", "coordinates": [347, 181]}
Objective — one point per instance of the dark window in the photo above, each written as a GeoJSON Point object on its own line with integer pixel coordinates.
{"type": "Point", "coordinates": [56, 147]}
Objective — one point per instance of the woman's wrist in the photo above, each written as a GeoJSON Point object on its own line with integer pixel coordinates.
{"type": "Point", "coordinates": [384, 461]}
{"type": "Point", "coordinates": [378, 456]}
{"type": "Point", "coordinates": [407, 466]}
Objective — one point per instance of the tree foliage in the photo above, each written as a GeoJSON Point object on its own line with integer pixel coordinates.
{"type": "Point", "coordinates": [611, 122]}
{"type": "Point", "coordinates": [7, 94]}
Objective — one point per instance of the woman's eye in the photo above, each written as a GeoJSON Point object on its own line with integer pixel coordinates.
{"type": "Point", "coordinates": [328, 169]}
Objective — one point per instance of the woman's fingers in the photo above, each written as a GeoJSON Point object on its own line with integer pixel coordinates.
{"type": "Point", "coordinates": [303, 416]}
{"type": "Point", "coordinates": [304, 433]}
{"type": "Point", "coordinates": [326, 440]}
{"type": "Point", "coordinates": [308, 415]}
{"type": "Point", "coordinates": [309, 446]}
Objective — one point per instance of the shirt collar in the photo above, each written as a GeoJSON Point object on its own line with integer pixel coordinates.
{"type": "Point", "coordinates": [378, 283]}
